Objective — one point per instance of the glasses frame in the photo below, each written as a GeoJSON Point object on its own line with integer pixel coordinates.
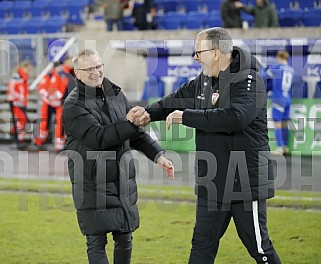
{"type": "Point", "coordinates": [197, 53]}
{"type": "Point", "coordinates": [92, 69]}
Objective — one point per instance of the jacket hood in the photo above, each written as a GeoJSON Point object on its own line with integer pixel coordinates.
{"type": "Point", "coordinates": [243, 60]}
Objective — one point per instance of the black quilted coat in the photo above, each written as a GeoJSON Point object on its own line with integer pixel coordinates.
{"type": "Point", "coordinates": [100, 163]}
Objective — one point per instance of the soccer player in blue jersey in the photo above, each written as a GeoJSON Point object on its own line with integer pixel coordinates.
{"type": "Point", "coordinates": [279, 81]}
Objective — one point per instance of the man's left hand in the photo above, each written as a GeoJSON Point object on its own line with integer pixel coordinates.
{"type": "Point", "coordinates": [167, 166]}
{"type": "Point", "coordinates": [175, 117]}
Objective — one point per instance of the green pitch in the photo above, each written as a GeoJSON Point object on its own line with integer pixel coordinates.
{"type": "Point", "coordinates": [41, 226]}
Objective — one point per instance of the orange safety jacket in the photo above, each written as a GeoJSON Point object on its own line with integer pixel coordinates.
{"type": "Point", "coordinates": [52, 89]}
{"type": "Point", "coordinates": [18, 88]}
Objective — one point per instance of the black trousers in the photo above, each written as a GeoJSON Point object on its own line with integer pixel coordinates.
{"type": "Point", "coordinates": [250, 222]}
{"type": "Point", "coordinates": [122, 248]}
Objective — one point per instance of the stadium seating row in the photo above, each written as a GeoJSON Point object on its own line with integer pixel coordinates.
{"type": "Point", "coordinates": [296, 18]}
{"type": "Point", "coordinates": [198, 20]}
{"type": "Point", "coordinates": [167, 21]}
{"type": "Point", "coordinates": [35, 25]}
{"type": "Point", "coordinates": [191, 20]}
{"type": "Point", "coordinates": [293, 4]}
{"type": "Point", "coordinates": [163, 6]}
{"type": "Point", "coordinates": [72, 11]}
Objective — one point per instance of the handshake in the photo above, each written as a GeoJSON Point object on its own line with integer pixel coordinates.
{"type": "Point", "coordinates": [140, 117]}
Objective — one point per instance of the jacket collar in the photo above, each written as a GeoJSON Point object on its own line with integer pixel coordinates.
{"type": "Point", "coordinates": [108, 89]}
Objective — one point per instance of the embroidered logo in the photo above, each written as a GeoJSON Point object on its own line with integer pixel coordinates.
{"type": "Point", "coordinates": [215, 97]}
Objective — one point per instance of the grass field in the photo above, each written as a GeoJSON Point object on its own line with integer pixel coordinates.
{"type": "Point", "coordinates": [40, 226]}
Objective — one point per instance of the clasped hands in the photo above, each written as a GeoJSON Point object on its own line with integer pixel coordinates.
{"type": "Point", "coordinates": [140, 117]}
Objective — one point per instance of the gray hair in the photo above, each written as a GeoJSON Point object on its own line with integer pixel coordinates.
{"type": "Point", "coordinates": [84, 53]}
{"type": "Point", "coordinates": [218, 39]}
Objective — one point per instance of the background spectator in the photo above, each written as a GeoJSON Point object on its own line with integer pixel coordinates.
{"type": "Point", "coordinates": [52, 90]}
{"type": "Point", "coordinates": [17, 96]}
{"type": "Point", "coordinates": [264, 14]}
{"type": "Point", "coordinates": [113, 12]}
{"type": "Point", "coordinates": [230, 14]}
{"type": "Point", "coordinates": [143, 14]}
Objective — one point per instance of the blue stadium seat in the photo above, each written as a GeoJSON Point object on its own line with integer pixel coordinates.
{"type": "Point", "coordinates": [55, 24]}
{"type": "Point", "coordinates": [165, 6]}
{"type": "Point", "coordinates": [153, 88]}
{"type": "Point", "coordinates": [21, 8]}
{"type": "Point", "coordinates": [58, 8]}
{"type": "Point", "coordinates": [307, 4]}
{"type": "Point", "coordinates": [40, 8]}
{"type": "Point", "coordinates": [128, 23]}
{"type": "Point", "coordinates": [3, 23]}
{"type": "Point", "coordinates": [213, 19]}
{"type": "Point", "coordinates": [312, 18]}
{"type": "Point", "coordinates": [290, 18]}
{"type": "Point", "coordinates": [281, 4]}
{"type": "Point", "coordinates": [83, 2]}
{"type": "Point", "coordinates": [212, 4]}
{"type": "Point", "coordinates": [158, 19]}
{"type": "Point", "coordinates": [76, 11]}
{"type": "Point", "coordinates": [15, 26]}
{"type": "Point", "coordinates": [173, 20]}
{"type": "Point", "coordinates": [194, 20]}
{"type": "Point", "coordinates": [6, 9]}
{"type": "Point", "coordinates": [34, 25]}
{"type": "Point", "coordinates": [189, 5]}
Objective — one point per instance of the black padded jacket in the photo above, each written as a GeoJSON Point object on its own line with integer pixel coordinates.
{"type": "Point", "coordinates": [230, 117]}
{"type": "Point", "coordinates": [100, 163]}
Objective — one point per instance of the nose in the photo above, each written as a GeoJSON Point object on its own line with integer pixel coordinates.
{"type": "Point", "coordinates": [95, 70]}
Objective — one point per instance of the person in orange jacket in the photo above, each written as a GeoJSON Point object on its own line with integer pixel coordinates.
{"type": "Point", "coordinates": [52, 90]}
{"type": "Point", "coordinates": [17, 97]}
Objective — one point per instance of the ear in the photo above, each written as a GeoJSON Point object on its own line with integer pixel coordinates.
{"type": "Point", "coordinates": [77, 74]}
{"type": "Point", "coordinates": [217, 55]}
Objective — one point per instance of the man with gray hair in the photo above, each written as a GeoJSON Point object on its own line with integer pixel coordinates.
{"type": "Point", "coordinates": [226, 104]}
{"type": "Point", "coordinates": [101, 166]}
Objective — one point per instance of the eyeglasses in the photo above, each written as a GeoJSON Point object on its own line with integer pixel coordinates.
{"type": "Point", "coordinates": [92, 69]}
{"type": "Point", "coordinates": [197, 53]}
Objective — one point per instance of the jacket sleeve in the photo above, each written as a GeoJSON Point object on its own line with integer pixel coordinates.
{"type": "Point", "coordinates": [245, 106]}
{"type": "Point", "coordinates": [144, 143]}
{"type": "Point", "coordinates": [183, 98]}
{"type": "Point", "coordinates": [141, 141]}
{"type": "Point", "coordinates": [249, 10]}
{"type": "Point", "coordinates": [81, 124]}
{"type": "Point", "coordinates": [274, 21]}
